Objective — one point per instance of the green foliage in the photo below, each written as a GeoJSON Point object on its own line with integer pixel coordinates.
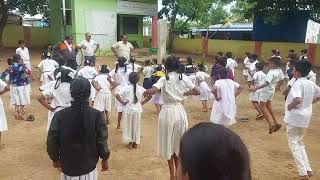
{"type": "Point", "coordinates": [241, 11]}
{"type": "Point", "coordinates": [31, 7]}
{"type": "Point", "coordinates": [274, 10]}
{"type": "Point", "coordinates": [215, 15]}
{"type": "Point", "coordinates": [181, 27]}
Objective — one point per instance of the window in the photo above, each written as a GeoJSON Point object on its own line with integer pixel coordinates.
{"type": "Point", "coordinates": [130, 25]}
{"type": "Point", "coordinates": [68, 13]}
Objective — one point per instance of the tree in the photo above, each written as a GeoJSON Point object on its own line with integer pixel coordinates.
{"type": "Point", "coordinates": [187, 10]}
{"type": "Point", "coordinates": [274, 10]}
{"type": "Point", "coordinates": [31, 7]}
{"type": "Point", "coordinates": [241, 12]}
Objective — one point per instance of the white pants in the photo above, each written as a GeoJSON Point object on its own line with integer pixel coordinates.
{"type": "Point", "coordinates": [93, 175]}
{"type": "Point", "coordinates": [295, 136]}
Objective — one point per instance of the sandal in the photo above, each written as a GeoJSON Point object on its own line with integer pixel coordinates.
{"type": "Point", "coordinates": [277, 127]}
{"type": "Point", "coordinates": [271, 130]}
{"type": "Point", "coordinates": [30, 118]}
{"type": "Point", "coordinates": [259, 116]}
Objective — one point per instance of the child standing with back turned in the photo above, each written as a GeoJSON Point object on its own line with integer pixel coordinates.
{"type": "Point", "coordinates": [298, 112]}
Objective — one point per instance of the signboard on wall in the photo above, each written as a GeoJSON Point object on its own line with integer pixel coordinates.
{"type": "Point", "coordinates": [313, 32]}
{"type": "Point", "coordinates": [136, 8]}
{"type": "Point", "coordinates": [103, 27]}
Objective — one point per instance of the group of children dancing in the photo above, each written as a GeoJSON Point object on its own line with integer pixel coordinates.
{"type": "Point", "coordinates": [166, 85]}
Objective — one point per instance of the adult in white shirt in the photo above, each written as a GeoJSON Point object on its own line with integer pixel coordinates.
{"type": "Point", "coordinates": [123, 48]}
{"type": "Point", "coordinates": [90, 48]}
{"type": "Point", "coordinates": [298, 112]}
{"type": "Point", "coordinates": [23, 51]}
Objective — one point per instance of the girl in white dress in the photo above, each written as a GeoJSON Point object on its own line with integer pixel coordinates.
{"type": "Point", "coordinates": [89, 72]}
{"type": "Point", "coordinates": [225, 92]}
{"type": "Point", "coordinates": [47, 67]}
{"type": "Point", "coordinates": [204, 89]}
{"type": "Point", "coordinates": [157, 98]}
{"type": "Point", "coordinates": [3, 121]}
{"type": "Point", "coordinates": [252, 68]}
{"type": "Point", "coordinates": [148, 70]}
{"type": "Point", "coordinates": [246, 66]}
{"type": "Point", "coordinates": [102, 84]}
{"type": "Point", "coordinates": [132, 66]}
{"type": "Point", "coordinates": [19, 85]}
{"type": "Point", "coordinates": [60, 93]}
{"type": "Point", "coordinates": [121, 77]}
{"type": "Point", "coordinates": [231, 63]}
{"type": "Point", "coordinates": [131, 97]}
{"type": "Point", "coordinates": [172, 118]}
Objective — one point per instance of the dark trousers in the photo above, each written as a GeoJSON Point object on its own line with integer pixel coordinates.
{"type": "Point", "coordinates": [91, 59]}
{"type": "Point", "coordinates": [72, 64]}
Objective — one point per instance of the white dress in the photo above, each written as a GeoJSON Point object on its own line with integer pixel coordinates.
{"type": "Point", "coordinates": [252, 70]}
{"type": "Point", "coordinates": [246, 63]}
{"type": "Point", "coordinates": [3, 120]}
{"type": "Point", "coordinates": [103, 100]}
{"type": "Point", "coordinates": [136, 68]}
{"type": "Point", "coordinates": [204, 89]}
{"type": "Point", "coordinates": [173, 120]}
{"type": "Point", "coordinates": [122, 78]}
{"type": "Point", "coordinates": [47, 68]}
{"type": "Point", "coordinates": [232, 64]}
{"type": "Point", "coordinates": [61, 98]}
{"type": "Point", "coordinates": [259, 79]}
{"type": "Point", "coordinates": [224, 111]}
{"type": "Point", "coordinates": [89, 73]}
{"type": "Point", "coordinates": [132, 113]}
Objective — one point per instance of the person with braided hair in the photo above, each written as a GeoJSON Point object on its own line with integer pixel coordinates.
{"type": "Point", "coordinates": [131, 97]}
{"type": "Point", "coordinates": [173, 120]}
{"type": "Point", "coordinates": [78, 135]}
{"type": "Point", "coordinates": [121, 77]}
{"type": "Point", "coordinates": [59, 93]}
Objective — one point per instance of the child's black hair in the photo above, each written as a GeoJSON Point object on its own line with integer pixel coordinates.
{"type": "Point", "coordinates": [222, 61]}
{"type": "Point", "coordinates": [10, 61]}
{"type": "Point", "coordinates": [293, 57]}
{"type": "Point", "coordinates": [304, 67]}
{"type": "Point", "coordinates": [46, 54]}
{"type": "Point", "coordinates": [276, 61]}
{"type": "Point", "coordinates": [132, 61]}
{"type": "Point", "coordinates": [16, 58]}
{"type": "Point", "coordinates": [121, 63]}
{"type": "Point", "coordinates": [64, 76]}
{"type": "Point", "coordinates": [104, 69]}
{"type": "Point", "coordinates": [21, 42]}
{"type": "Point", "coordinates": [133, 79]}
{"type": "Point", "coordinates": [202, 67]}
{"type": "Point", "coordinates": [172, 65]}
{"type": "Point", "coordinates": [259, 66]}
{"type": "Point", "coordinates": [229, 54]}
{"type": "Point", "coordinates": [159, 68]}
{"type": "Point", "coordinates": [291, 51]}
{"type": "Point", "coordinates": [212, 152]}
{"type": "Point", "coordinates": [189, 61]}
{"type": "Point", "coordinates": [61, 60]}
{"type": "Point", "coordinates": [220, 53]}
{"type": "Point", "coordinates": [80, 91]}
{"type": "Point", "coordinates": [147, 62]}
{"type": "Point", "coordinates": [304, 51]}
{"type": "Point", "coordinates": [223, 73]}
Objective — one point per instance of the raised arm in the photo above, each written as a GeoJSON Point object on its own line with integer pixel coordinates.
{"type": "Point", "coordinates": [102, 138]}
{"type": "Point", "coordinates": [53, 141]}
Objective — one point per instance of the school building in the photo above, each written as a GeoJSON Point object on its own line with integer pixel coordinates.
{"type": "Point", "coordinates": [106, 20]}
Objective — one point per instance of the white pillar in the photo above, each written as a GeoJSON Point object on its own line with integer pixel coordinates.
{"type": "Point", "coordinates": [162, 39]}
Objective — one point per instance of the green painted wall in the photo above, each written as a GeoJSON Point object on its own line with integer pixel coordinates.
{"type": "Point", "coordinates": [133, 37]}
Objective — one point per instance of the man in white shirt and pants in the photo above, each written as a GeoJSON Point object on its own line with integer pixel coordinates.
{"type": "Point", "coordinates": [90, 48]}
{"type": "Point", "coordinates": [123, 48]}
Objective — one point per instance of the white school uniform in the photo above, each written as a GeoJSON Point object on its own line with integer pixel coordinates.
{"type": "Point", "coordinates": [224, 111]}
{"type": "Point", "coordinates": [246, 63]}
{"type": "Point", "coordinates": [232, 64]}
{"type": "Point", "coordinates": [298, 120]}
{"type": "Point", "coordinates": [122, 78]}
{"type": "Point", "coordinates": [137, 67]}
{"type": "Point", "coordinates": [24, 53]}
{"type": "Point", "coordinates": [103, 100]}
{"type": "Point", "coordinates": [93, 175]}
{"type": "Point", "coordinates": [273, 77]}
{"type": "Point", "coordinates": [47, 67]}
{"type": "Point", "coordinates": [259, 79]}
{"type": "Point", "coordinates": [148, 71]}
{"type": "Point", "coordinates": [132, 113]}
{"type": "Point", "coordinates": [20, 95]}
{"type": "Point", "coordinates": [286, 72]}
{"type": "Point", "coordinates": [173, 120]}
{"type": "Point", "coordinates": [3, 119]}
{"type": "Point", "coordinates": [89, 73]}
{"type": "Point", "coordinates": [204, 89]}
{"type": "Point", "coordinates": [312, 76]}
{"type": "Point", "coordinates": [252, 69]}
{"type": "Point", "coordinates": [61, 98]}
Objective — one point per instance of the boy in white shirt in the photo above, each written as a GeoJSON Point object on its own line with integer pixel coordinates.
{"type": "Point", "coordinates": [23, 51]}
{"type": "Point", "coordinates": [231, 63]}
{"type": "Point", "coordinates": [298, 112]}
{"type": "Point", "coordinates": [246, 63]}
{"type": "Point", "coordinates": [252, 68]}
{"type": "Point", "coordinates": [274, 81]}
{"type": "Point", "coordinates": [89, 73]}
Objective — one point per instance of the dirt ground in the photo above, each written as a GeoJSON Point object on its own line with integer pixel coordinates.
{"type": "Point", "coordinates": [25, 157]}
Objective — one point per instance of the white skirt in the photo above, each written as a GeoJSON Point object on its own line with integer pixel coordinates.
{"type": "Point", "coordinates": [51, 114]}
{"type": "Point", "coordinates": [3, 120]}
{"type": "Point", "coordinates": [93, 175]}
{"type": "Point", "coordinates": [205, 92]}
{"type": "Point", "coordinates": [93, 91]}
{"type": "Point", "coordinates": [254, 96]}
{"type": "Point", "coordinates": [172, 124]}
{"type": "Point", "coordinates": [45, 77]}
{"type": "Point", "coordinates": [157, 99]}
{"type": "Point", "coordinates": [220, 117]}
{"type": "Point", "coordinates": [103, 102]}
{"type": "Point", "coordinates": [131, 127]}
{"type": "Point", "coordinates": [20, 95]}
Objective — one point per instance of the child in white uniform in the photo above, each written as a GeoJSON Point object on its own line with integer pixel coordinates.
{"type": "Point", "coordinates": [121, 77]}
{"type": "Point", "coordinates": [225, 93]}
{"type": "Point", "coordinates": [246, 63]}
{"type": "Point", "coordinates": [3, 121]}
{"type": "Point", "coordinates": [19, 85]}
{"type": "Point", "coordinates": [89, 73]}
{"type": "Point", "coordinates": [298, 112]}
{"type": "Point", "coordinates": [60, 93]}
{"type": "Point", "coordinates": [131, 97]}
{"type": "Point", "coordinates": [204, 90]}
{"type": "Point", "coordinates": [157, 98]}
{"type": "Point", "coordinates": [274, 81]}
{"type": "Point", "coordinates": [252, 67]}
{"type": "Point", "coordinates": [231, 63]}
{"type": "Point", "coordinates": [132, 66]}
{"type": "Point", "coordinates": [148, 70]}
{"type": "Point", "coordinates": [259, 78]}
{"type": "Point", "coordinates": [172, 118]}
{"type": "Point", "coordinates": [102, 84]}
{"type": "Point", "coordinates": [47, 67]}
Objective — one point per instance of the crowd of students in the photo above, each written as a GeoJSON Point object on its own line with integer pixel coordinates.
{"type": "Point", "coordinates": [79, 105]}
